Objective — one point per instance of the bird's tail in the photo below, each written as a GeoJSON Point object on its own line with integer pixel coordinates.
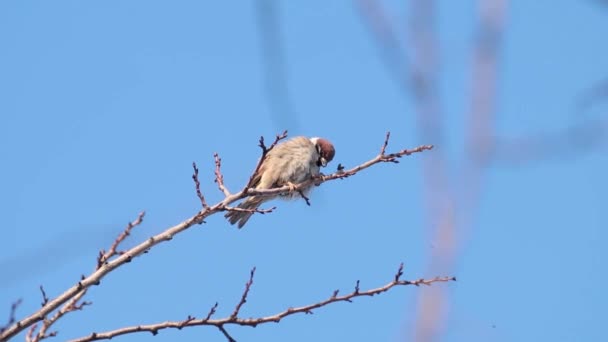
{"type": "Point", "coordinates": [242, 217]}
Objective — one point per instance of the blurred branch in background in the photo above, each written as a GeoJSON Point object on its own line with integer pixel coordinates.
{"type": "Point", "coordinates": [440, 195]}
{"type": "Point", "coordinates": [586, 135]}
{"type": "Point", "coordinates": [39, 259]}
{"type": "Point", "coordinates": [601, 2]}
{"type": "Point", "coordinates": [573, 142]}
{"type": "Point", "coordinates": [11, 316]}
{"type": "Point", "coordinates": [392, 54]}
{"type": "Point", "coordinates": [481, 119]}
{"type": "Point", "coordinates": [275, 65]}
{"type": "Point", "coordinates": [596, 94]}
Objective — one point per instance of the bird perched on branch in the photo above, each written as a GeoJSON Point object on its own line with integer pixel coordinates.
{"type": "Point", "coordinates": [289, 163]}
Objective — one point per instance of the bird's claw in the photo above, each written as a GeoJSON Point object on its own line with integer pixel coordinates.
{"type": "Point", "coordinates": [292, 187]}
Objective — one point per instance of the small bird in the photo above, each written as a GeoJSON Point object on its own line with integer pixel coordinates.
{"type": "Point", "coordinates": [289, 163]}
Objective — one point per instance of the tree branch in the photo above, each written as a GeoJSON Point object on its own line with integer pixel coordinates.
{"type": "Point", "coordinates": [105, 256]}
{"type": "Point", "coordinates": [197, 185]}
{"type": "Point", "coordinates": [45, 299]}
{"type": "Point", "coordinates": [105, 265]}
{"type": "Point", "coordinates": [219, 178]}
{"type": "Point", "coordinates": [233, 319]}
{"type": "Point", "coordinates": [265, 151]}
{"type": "Point", "coordinates": [243, 300]}
{"type": "Point", "coordinates": [11, 316]}
{"type": "Point", "coordinates": [74, 303]}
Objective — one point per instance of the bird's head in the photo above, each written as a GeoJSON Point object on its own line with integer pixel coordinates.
{"type": "Point", "coordinates": [325, 149]}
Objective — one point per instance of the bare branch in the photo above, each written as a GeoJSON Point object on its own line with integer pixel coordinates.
{"type": "Point", "coordinates": [211, 311]}
{"type": "Point", "coordinates": [399, 272]}
{"type": "Point", "coordinates": [306, 199]}
{"type": "Point", "coordinates": [383, 149]}
{"type": "Point", "coordinates": [11, 315]}
{"type": "Point", "coordinates": [265, 151]}
{"type": "Point", "coordinates": [335, 294]}
{"type": "Point", "coordinates": [45, 299]}
{"type": "Point", "coordinates": [243, 300]}
{"type": "Point", "coordinates": [29, 337]}
{"type": "Point", "coordinates": [341, 173]}
{"type": "Point", "coordinates": [104, 257]}
{"type": "Point", "coordinates": [219, 178]}
{"type": "Point", "coordinates": [197, 185]}
{"type": "Point", "coordinates": [253, 322]}
{"type": "Point", "coordinates": [187, 320]}
{"type": "Point", "coordinates": [72, 295]}
{"type": "Point", "coordinates": [278, 138]}
{"type": "Point", "coordinates": [223, 330]}
{"type": "Point", "coordinates": [74, 303]}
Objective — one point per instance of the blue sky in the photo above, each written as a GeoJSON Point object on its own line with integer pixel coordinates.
{"type": "Point", "coordinates": [105, 105]}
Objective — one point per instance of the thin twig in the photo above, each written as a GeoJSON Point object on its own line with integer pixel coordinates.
{"type": "Point", "coordinates": [243, 300]}
{"type": "Point", "coordinates": [11, 315]}
{"type": "Point", "coordinates": [105, 256]}
{"type": "Point", "coordinates": [399, 272]}
{"type": "Point", "coordinates": [383, 149]}
{"type": "Point", "coordinates": [187, 320]}
{"type": "Point", "coordinates": [306, 199]}
{"type": "Point", "coordinates": [223, 330]}
{"type": "Point", "coordinates": [74, 303]}
{"type": "Point", "coordinates": [265, 151]}
{"type": "Point", "coordinates": [29, 337]}
{"type": "Point", "coordinates": [211, 312]}
{"type": "Point", "coordinates": [197, 185]}
{"type": "Point", "coordinates": [45, 299]}
{"type": "Point", "coordinates": [219, 178]}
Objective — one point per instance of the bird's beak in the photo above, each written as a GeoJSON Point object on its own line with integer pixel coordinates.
{"type": "Point", "coordinates": [323, 162]}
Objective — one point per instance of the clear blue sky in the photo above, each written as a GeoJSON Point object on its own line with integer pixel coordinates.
{"type": "Point", "coordinates": [104, 106]}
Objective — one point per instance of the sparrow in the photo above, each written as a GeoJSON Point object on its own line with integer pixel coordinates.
{"type": "Point", "coordinates": [289, 163]}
